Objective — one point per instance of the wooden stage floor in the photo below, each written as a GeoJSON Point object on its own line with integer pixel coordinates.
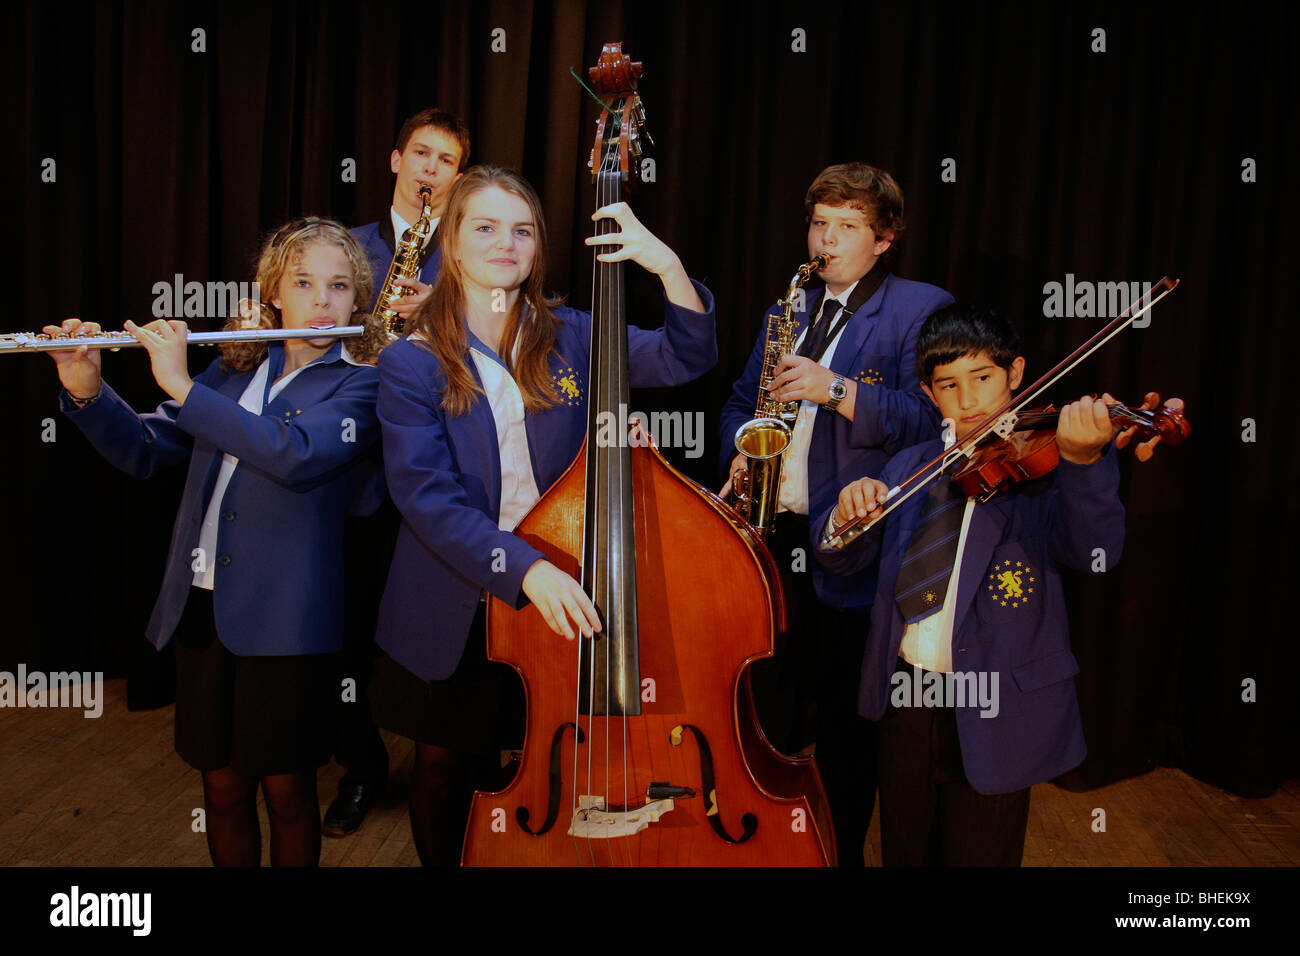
{"type": "Point", "coordinates": [112, 792]}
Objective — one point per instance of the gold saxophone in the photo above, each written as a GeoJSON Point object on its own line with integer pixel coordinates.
{"type": "Point", "coordinates": [406, 265]}
{"type": "Point", "coordinates": [765, 437]}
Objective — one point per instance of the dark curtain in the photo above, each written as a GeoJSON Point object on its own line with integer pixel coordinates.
{"type": "Point", "coordinates": [1121, 165]}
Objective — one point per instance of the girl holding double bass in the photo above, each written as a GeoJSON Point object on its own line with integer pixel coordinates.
{"type": "Point", "coordinates": [482, 408]}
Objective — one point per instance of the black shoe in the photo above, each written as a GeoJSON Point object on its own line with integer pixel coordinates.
{"type": "Point", "coordinates": [349, 808]}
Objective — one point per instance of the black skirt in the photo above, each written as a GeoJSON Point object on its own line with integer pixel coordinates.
{"type": "Point", "coordinates": [479, 709]}
{"type": "Point", "coordinates": [257, 715]}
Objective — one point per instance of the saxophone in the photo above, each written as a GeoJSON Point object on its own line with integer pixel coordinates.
{"type": "Point", "coordinates": [764, 438]}
{"type": "Point", "coordinates": [406, 265]}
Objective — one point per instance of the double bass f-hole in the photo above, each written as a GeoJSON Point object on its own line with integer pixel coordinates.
{"type": "Point", "coordinates": [522, 815]}
{"type": "Point", "coordinates": [748, 822]}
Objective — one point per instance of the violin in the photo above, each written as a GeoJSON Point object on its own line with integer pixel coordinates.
{"type": "Point", "coordinates": [1029, 451]}
{"type": "Point", "coordinates": [1011, 457]}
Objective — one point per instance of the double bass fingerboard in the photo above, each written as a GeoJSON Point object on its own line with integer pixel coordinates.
{"type": "Point", "coordinates": [610, 680]}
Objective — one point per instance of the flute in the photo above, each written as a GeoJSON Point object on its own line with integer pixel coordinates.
{"type": "Point", "coordinates": [23, 342]}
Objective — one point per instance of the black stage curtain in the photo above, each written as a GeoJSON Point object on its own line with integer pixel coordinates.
{"type": "Point", "coordinates": [1121, 165]}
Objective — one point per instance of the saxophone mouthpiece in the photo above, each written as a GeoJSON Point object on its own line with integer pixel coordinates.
{"type": "Point", "coordinates": [815, 264]}
{"type": "Point", "coordinates": [426, 192]}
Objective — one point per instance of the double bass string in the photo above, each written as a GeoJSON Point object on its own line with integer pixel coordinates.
{"type": "Point", "coordinates": [611, 392]}
{"type": "Point", "coordinates": [617, 360]}
{"type": "Point", "coordinates": [628, 523]}
{"type": "Point", "coordinates": [615, 482]}
{"type": "Point", "coordinates": [598, 390]}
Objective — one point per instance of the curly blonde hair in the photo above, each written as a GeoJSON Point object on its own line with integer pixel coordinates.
{"type": "Point", "coordinates": [280, 253]}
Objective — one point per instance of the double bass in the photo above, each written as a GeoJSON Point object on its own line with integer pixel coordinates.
{"type": "Point", "coordinates": [642, 747]}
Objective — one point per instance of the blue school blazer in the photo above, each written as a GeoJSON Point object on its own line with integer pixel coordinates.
{"type": "Point", "coordinates": [877, 349]}
{"type": "Point", "coordinates": [1015, 627]}
{"type": "Point", "coordinates": [278, 575]}
{"type": "Point", "coordinates": [444, 473]}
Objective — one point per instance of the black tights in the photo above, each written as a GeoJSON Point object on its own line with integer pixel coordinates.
{"type": "Point", "coordinates": [234, 836]}
{"type": "Point", "coordinates": [442, 787]}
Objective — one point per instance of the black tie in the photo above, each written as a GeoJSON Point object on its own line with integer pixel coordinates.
{"type": "Point", "coordinates": [814, 343]}
{"type": "Point", "coordinates": [927, 565]}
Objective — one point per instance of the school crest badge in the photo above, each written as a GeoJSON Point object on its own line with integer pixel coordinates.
{"type": "Point", "coordinates": [1012, 583]}
{"type": "Point", "coordinates": [568, 386]}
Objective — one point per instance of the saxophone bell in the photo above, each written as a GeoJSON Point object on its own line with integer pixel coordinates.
{"type": "Point", "coordinates": [763, 442]}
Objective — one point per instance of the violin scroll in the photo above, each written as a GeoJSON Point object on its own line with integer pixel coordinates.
{"type": "Point", "coordinates": [1167, 423]}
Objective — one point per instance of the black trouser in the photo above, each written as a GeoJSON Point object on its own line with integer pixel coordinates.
{"type": "Point", "coordinates": [807, 693]}
{"type": "Point", "coordinates": [367, 554]}
{"type": "Point", "coordinates": [930, 815]}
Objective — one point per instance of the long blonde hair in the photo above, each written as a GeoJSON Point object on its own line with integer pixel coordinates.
{"type": "Point", "coordinates": [281, 252]}
{"type": "Point", "coordinates": [529, 336]}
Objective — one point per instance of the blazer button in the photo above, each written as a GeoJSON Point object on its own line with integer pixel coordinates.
{"type": "Point", "coordinates": [223, 560]}
{"type": "Point", "coordinates": [228, 516]}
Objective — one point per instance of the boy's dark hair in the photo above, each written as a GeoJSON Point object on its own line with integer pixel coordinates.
{"type": "Point", "coordinates": [957, 330]}
{"type": "Point", "coordinates": [439, 119]}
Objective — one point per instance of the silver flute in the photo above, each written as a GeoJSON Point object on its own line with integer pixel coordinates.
{"type": "Point", "coordinates": [23, 342]}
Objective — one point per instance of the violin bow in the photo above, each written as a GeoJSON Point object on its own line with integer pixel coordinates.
{"type": "Point", "coordinates": [1003, 420]}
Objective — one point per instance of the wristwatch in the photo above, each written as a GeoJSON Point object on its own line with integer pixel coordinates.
{"type": "Point", "coordinates": [837, 390]}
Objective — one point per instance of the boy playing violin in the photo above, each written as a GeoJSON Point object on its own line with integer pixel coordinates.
{"type": "Point", "coordinates": [968, 668]}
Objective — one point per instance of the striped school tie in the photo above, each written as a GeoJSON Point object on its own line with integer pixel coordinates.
{"type": "Point", "coordinates": [927, 564]}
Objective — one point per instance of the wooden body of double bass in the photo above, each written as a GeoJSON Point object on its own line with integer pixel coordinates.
{"type": "Point", "coordinates": [707, 599]}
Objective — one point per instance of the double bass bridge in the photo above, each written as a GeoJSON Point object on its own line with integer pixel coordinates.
{"type": "Point", "coordinates": [592, 821]}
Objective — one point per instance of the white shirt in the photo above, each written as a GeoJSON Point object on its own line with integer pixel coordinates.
{"type": "Point", "coordinates": [252, 401]}
{"type": "Point", "coordinates": [518, 487]}
{"type": "Point", "coordinates": [927, 643]}
{"type": "Point", "coordinates": [794, 464]}
{"type": "Point", "coordinates": [400, 226]}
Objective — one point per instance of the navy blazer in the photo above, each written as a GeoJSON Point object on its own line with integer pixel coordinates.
{"type": "Point", "coordinates": [278, 575]}
{"type": "Point", "coordinates": [878, 349]}
{"type": "Point", "coordinates": [380, 245]}
{"type": "Point", "coordinates": [444, 474]}
{"type": "Point", "coordinates": [1057, 520]}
